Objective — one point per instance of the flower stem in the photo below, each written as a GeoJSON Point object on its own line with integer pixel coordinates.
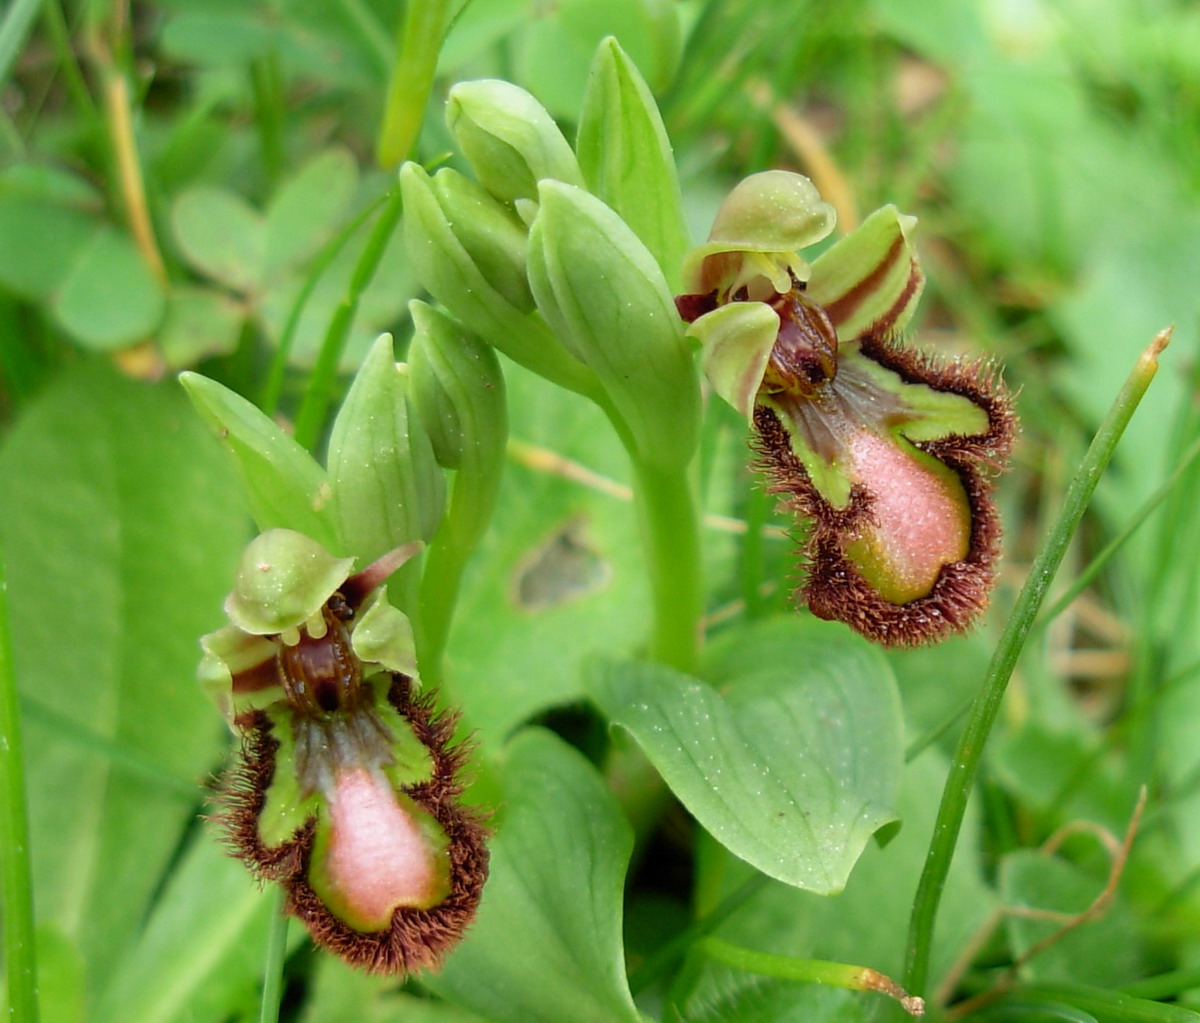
{"type": "Point", "coordinates": [418, 44]}
{"type": "Point", "coordinates": [811, 971]}
{"type": "Point", "coordinates": [987, 703]}
{"type": "Point", "coordinates": [311, 418]}
{"type": "Point", "coordinates": [671, 537]}
{"type": "Point", "coordinates": [16, 884]}
{"type": "Point", "coordinates": [272, 987]}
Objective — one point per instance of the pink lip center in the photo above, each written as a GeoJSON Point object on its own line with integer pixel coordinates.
{"type": "Point", "coordinates": [922, 518]}
{"type": "Point", "coordinates": [378, 858]}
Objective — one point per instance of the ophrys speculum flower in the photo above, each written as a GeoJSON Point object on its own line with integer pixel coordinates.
{"type": "Point", "coordinates": [346, 790]}
{"type": "Point", "coordinates": [884, 448]}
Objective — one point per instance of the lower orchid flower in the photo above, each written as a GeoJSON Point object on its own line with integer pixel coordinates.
{"type": "Point", "coordinates": [346, 789]}
{"type": "Point", "coordinates": [885, 449]}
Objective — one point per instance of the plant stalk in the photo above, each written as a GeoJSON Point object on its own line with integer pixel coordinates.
{"type": "Point", "coordinates": [987, 703]}
{"type": "Point", "coordinates": [418, 44]}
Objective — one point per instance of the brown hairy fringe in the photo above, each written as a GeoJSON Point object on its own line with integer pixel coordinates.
{"type": "Point", "coordinates": [417, 939]}
{"type": "Point", "coordinates": [830, 584]}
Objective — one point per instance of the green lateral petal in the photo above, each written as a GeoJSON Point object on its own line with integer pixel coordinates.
{"type": "Point", "coordinates": [283, 579]}
{"type": "Point", "coordinates": [509, 138]}
{"type": "Point", "coordinates": [869, 282]}
{"type": "Point", "coordinates": [383, 635]}
{"type": "Point", "coordinates": [626, 157]}
{"type": "Point", "coordinates": [736, 342]}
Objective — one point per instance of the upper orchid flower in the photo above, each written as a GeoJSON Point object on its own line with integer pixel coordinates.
{"type": "Point", "coordinates": [883, 447]}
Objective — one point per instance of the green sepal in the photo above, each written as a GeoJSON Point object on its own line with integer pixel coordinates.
{"type": "Point", "coordinates": [603, 293]}
{"type": "Point", "coordinates": [870, 281]}
{"type": "Point", "coordinates": [626, 157]}
{"type": "Point", "coordinates": [286, 808]}
{"type": "Point", "coordinates": [283, 579]}
{"type": "Point", "coordinates": [493, 237]}
{"type": "Point", "coordinates": [389, 489]}
{"type": "Point", "coordinates": [228, 652]}
{"type": "Point", "coordinates": [736, 342]}
{"type": "Point", "coordinates": [285, 487]}
{"type": "Point", "coordinates": [383, 635]}
{"type": "Point", "coordinates": [449, 273]}
{"type": "Point", "coordinates": [509, 139]}
{"type": "Point", "coordinates": [761, 225]}
{"type": "Point", "coordinates": [457, 387]}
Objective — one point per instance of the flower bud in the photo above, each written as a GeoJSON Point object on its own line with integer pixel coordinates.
{"type": "Point", "coordinates": [509, 139]}
{"type": "Point", "coordinates": [604, 295]}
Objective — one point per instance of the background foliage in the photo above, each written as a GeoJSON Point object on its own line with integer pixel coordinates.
{"type": "Point", "coordinates": [192, 184]}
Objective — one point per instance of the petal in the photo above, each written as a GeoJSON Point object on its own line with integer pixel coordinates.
{"type": "Point", "coordinates": [237, 671]}
{"type": "Point", "coordinates": [383, 635]}
{"type": "Point", "coordinates": [736, 342]}
{"type": "Point", "coordinates": [869, 282]}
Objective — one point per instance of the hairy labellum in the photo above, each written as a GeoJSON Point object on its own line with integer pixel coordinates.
{"type": "Point", "coordinates": [346, 789]}
{"type": "Point", "coordinates": [886, 451]}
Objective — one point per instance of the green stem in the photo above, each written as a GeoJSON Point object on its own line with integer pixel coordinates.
{"type": "Point", "coordinates": [272, 987]}
{"type": "Point", "coordinates": [987, 704]}
{"type": "Point", "coordinates": [274, 385]}
{"type": "Point", "coordinates": [311, 417]}
{"type": "Point", "coordinates": [810, 971]}
{"type": "Point", "coordinates": [671, 538]}
{"type": "Point", "coordinates": [16, 882]}
{"type": "Point", "coordinates": [418, 44]}
{"type": "Point", "coordinates": [266, 79]}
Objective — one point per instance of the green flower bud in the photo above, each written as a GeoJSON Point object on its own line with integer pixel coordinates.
{"type": "Point", "coordinates": [512, 143]}
{"type": "Point", "coordinates": [626, 157]}
{"type": "Point", "coordinates": [603, 293]}
{"type": "Point", "coordinates": [451, 275]}
{"type": "Point", "coordinates": [387, 484]}
{"type": "Point", "coordinates": [495, 240]}
{"type": "Point", "coordinates": [458, 390]}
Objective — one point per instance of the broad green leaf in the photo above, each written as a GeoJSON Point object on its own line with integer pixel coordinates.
{"type": "Point", "coordinates": [122, 524]}
{"type": "Point", "coordinates": [304, 211]}
{"type": "Point", "coordinates": [1105, 951]}
{"type": "Point", "coordinates": [283, 484]}
{"type": "Point", "coordinates": [222, 236]}
{"type": "Point", "coordinates": [340, 994]}
{"type": "Point", "coordinates": [546, 945]}
{"type": "Point", "coordinates": [751, 999]}
{"type": "Point", "coordinates": [626, 158]}
{"type": "Point", "coordinates": [198, 322]}
{"type": "Point", "coordinates": [40, 243]}
{"type": "Point", "coordinates": [200, 954]}
{"type": "Point", "coordinates": [795, 767]}
{"type": "Point", "coordinates": [109, 298]}
{"type": "Point", "coordinates": [389, 489]}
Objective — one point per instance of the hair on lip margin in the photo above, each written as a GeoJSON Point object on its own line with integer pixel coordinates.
{"type": "Point", "coordinates": [417, 939]}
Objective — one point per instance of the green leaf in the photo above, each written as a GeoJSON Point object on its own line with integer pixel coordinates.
{"type": "Point", "coordinates": [198, 322]}
{"type": "Point", "coordinates": [604, 295]}
{"type": "Point", "coordinates": [200, 954]}
{"type": "Point", "coordinates": [1105, 951]}
{"type": "Point", "coordinates": [389, 489]}
{"type": "Point", "coordinates": [121, 524]}
{"type": "Point", "coordinates": [304, 212]}
{"type": "Point", "coordinates": [222, 236]}
{"type": "Point", "coordinates": [340, 994]}
{"type": "Point", "coordinates": [795, 768]}
{"type": "Point", "coordinates": [283, 484]}
{"type": "Point", "coordinates": [546, 945]}
{"type": "Point", "coordinates": [40, 243]}
{"type": "Point", "coordinates": [109, 298]}
{"type": "Point", "coordinates": [626, 158]}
